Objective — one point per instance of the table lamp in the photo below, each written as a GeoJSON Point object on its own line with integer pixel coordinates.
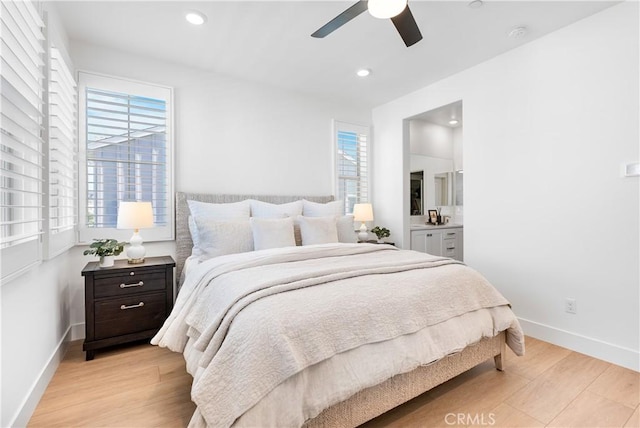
{"type": "Point", "coordinates": [363, 213]}
{"type": "Point", "coordinates": [136, 216]}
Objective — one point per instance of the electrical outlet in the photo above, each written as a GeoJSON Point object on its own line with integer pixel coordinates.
{"type": "Point", "coordinates": [570, 305]}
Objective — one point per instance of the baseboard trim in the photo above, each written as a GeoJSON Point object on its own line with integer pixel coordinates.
{"type": "Point", "coordinates": [36, 391]}
{"type": "Point", "coordinates": [609, 352]}
{"type": "Point", "coordinates": [77, 331]}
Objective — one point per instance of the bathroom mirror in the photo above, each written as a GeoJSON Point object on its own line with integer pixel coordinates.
{"type": "Point", "coordinates": [436, 160]}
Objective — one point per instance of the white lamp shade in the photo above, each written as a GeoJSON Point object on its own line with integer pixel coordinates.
{"type": "Point", "coordinates": [386, 8]}
{"type": "Point", "coordinates": [363, 212]}
{"type": "Point", "coordinates": [135, 215]}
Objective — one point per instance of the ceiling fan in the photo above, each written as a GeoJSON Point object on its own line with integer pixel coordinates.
{"type": "Point", "coordinates": [397, 10]}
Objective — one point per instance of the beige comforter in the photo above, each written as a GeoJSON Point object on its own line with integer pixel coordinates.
{"type": "Point", "coordinates": [259, 319]}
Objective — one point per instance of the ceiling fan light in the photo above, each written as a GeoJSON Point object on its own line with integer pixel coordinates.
{"type": "Point", "coordinates": [386, 8]}
{"type": "Point", "coordinates": [196, 18]}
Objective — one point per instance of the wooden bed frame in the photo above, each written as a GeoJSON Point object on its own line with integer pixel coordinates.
{"type": "Point", "coordinates": [376, 400]}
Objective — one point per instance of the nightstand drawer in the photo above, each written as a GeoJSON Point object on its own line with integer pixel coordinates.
{"type": "Point", "coordinates": [128, 284]}
{"type": "Point", "coordinates": [119, 316]}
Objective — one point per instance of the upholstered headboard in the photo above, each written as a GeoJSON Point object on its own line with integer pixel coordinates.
{"type": "Point", "coordinates": [183, 237]}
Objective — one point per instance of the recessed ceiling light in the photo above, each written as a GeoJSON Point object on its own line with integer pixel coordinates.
{"type": "Point", "coordinates": [196, 18]}
{"type": "Point", "coordinates": [453, 122]}
{"type": "Point", "coordinates": [475, 4]}
{"type": "Point", "coordinates": [363, 72]}
{"type": "Point", "coordinates": [517, 32]}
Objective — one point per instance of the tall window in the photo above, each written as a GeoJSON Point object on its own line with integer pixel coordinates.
{"type": "Point", "coordinates": [127, 154]}
{"type": "Point", "coordinates": [352, 163]}
{"type": "Point", "coordinates": [21, 122]}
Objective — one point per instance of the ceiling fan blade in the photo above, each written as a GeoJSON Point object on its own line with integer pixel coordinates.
{"type": "Point", "coordinates": [341, 19]}
{"type": "Point", "coordinates": [407, 27]}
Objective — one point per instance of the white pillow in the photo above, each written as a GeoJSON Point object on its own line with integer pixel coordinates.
{"type": "Point", "coordinates": [346, 229]}
{"type": "Point", "coordinates": [266, 210]}
{"type": "Point", "coordinates": [193, 231]}
{"type": "Point", "coordinates": [318, 230]}
{"type": "Point", "coordinates": [223, 237]}
{"type": "Point", "coordinates": [222, 212]}
{"type": "Point", "coordinates": [272, 232]}
{"type": "Point", "coordinates": [314, 209]}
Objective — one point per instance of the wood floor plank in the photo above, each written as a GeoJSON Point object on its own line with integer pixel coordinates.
{"type": "Point", "coordinates": [592, 410]}
{"type": "Point", "coordinates": [548, 394]}
{"type": "Point", "coordinates": [634, 420]}
{"type": "Point", "coordinates": [506, 416]}
{"type": "Point", "coordinates": [618, 384]}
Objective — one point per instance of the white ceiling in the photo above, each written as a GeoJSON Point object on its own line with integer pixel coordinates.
{"type": "Point", "coordinates": [269, 41]}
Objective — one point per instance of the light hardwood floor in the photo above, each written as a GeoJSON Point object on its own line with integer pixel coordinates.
{"type": "Point", "coordinates": [145, 386]}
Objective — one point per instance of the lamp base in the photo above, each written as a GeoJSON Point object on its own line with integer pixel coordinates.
{"type": "Point", "coordinates": [363, 235]}
{"type": "Point", "coordinates": [135, 251]}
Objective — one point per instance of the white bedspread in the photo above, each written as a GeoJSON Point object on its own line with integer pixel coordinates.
{"type": "Point", "coordinates": [259, 320]}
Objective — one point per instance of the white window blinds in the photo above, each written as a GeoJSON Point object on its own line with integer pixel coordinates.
{"type": "Point", "coordinates": [63, 149]}
{"type": "Point", "coordinates": [352, 163]}
{"type": "Point", "coordinates": [127, 147]}
{"type": "Point", "coordinates": [21, 142]}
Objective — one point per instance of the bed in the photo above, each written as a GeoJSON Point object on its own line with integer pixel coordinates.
{"type": "Point", "coordinates": [235, 315]}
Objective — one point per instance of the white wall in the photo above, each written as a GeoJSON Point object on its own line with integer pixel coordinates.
{"type": "Point", "coordinates": [547, 215]}
{"type": "Point", "coordinates": [430, 139]}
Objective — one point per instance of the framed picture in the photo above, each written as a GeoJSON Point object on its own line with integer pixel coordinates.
{"type": "Point", "coordinates": [433, 216]}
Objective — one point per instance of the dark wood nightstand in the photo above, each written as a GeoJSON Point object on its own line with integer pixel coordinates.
{"type": "Point", "coordinates": [375, 241]}
{"type": "Point", "coordinates": [126, 302]}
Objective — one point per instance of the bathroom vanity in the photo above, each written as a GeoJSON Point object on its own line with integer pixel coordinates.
{"type": "Point", "coordinates": [445, 240]}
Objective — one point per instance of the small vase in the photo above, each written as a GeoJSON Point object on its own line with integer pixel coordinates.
{"type": "Point", "coordinates": [106, 261]}
{"type": "Point", "coordinates": [380, 240]}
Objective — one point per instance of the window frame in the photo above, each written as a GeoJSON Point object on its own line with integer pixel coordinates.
{"type": "Point", "coordinates": [123, 85]}
{"type": "Point", "coordinates": [341, 126]}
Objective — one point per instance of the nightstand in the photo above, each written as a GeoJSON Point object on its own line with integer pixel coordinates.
{"type": "Point", "coordinates": [126, 302]}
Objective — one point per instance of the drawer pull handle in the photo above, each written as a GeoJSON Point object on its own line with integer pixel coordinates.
{"type": "Point", "coordinates": [137, 284]}
{"type": "Point", "coordinates": [451, 248]}
{"type": "Point", "coordinates": [139, 305]}
{"type": "Point", "coordinates": [451, 233]}
{"type": "Point", "coordinates": [132, 273]}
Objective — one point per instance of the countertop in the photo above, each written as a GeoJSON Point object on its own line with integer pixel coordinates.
{"type": "Point", "coordinates": [431, 226]}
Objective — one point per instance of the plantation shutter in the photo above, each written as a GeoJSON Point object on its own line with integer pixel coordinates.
{"type": "Point", "coordinates": [21, 145]}
{"type": "Point", "coordinates": [63, 149]}
{"type": "Point", "coordinates": [352, 164]}
{"type": "Point", "coordinates": [127, 144]}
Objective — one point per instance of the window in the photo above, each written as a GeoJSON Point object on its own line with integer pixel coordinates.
{"type": "Point", "coordinates": [21, 144]}
{"type": "Point", "coordinates": [62, 156]}
{"type": "Point", "coordinates": [352, 163]}
{"type": "Point", "coordinates": [126, 143]}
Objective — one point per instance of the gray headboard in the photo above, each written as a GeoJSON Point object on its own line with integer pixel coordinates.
{"type": "Point", "coordinates": [183, 237]}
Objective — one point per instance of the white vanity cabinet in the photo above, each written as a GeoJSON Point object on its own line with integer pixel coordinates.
{"type": "Point", "coordinates": [438, 240]}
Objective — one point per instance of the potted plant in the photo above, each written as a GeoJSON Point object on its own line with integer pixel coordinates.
{"type": "Point", "coordinates": [106, 249]}
{"type": "Point", "coordinates": [381, 232]}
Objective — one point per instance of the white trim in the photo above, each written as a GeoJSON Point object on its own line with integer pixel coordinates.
{"type": "Point", "coordinates": [606, 351]}
{"type": "Point", "coordinates": [30, 402]}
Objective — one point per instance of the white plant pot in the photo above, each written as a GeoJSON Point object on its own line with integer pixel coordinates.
{"type": "Point", "coordinates": [107, 261]}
